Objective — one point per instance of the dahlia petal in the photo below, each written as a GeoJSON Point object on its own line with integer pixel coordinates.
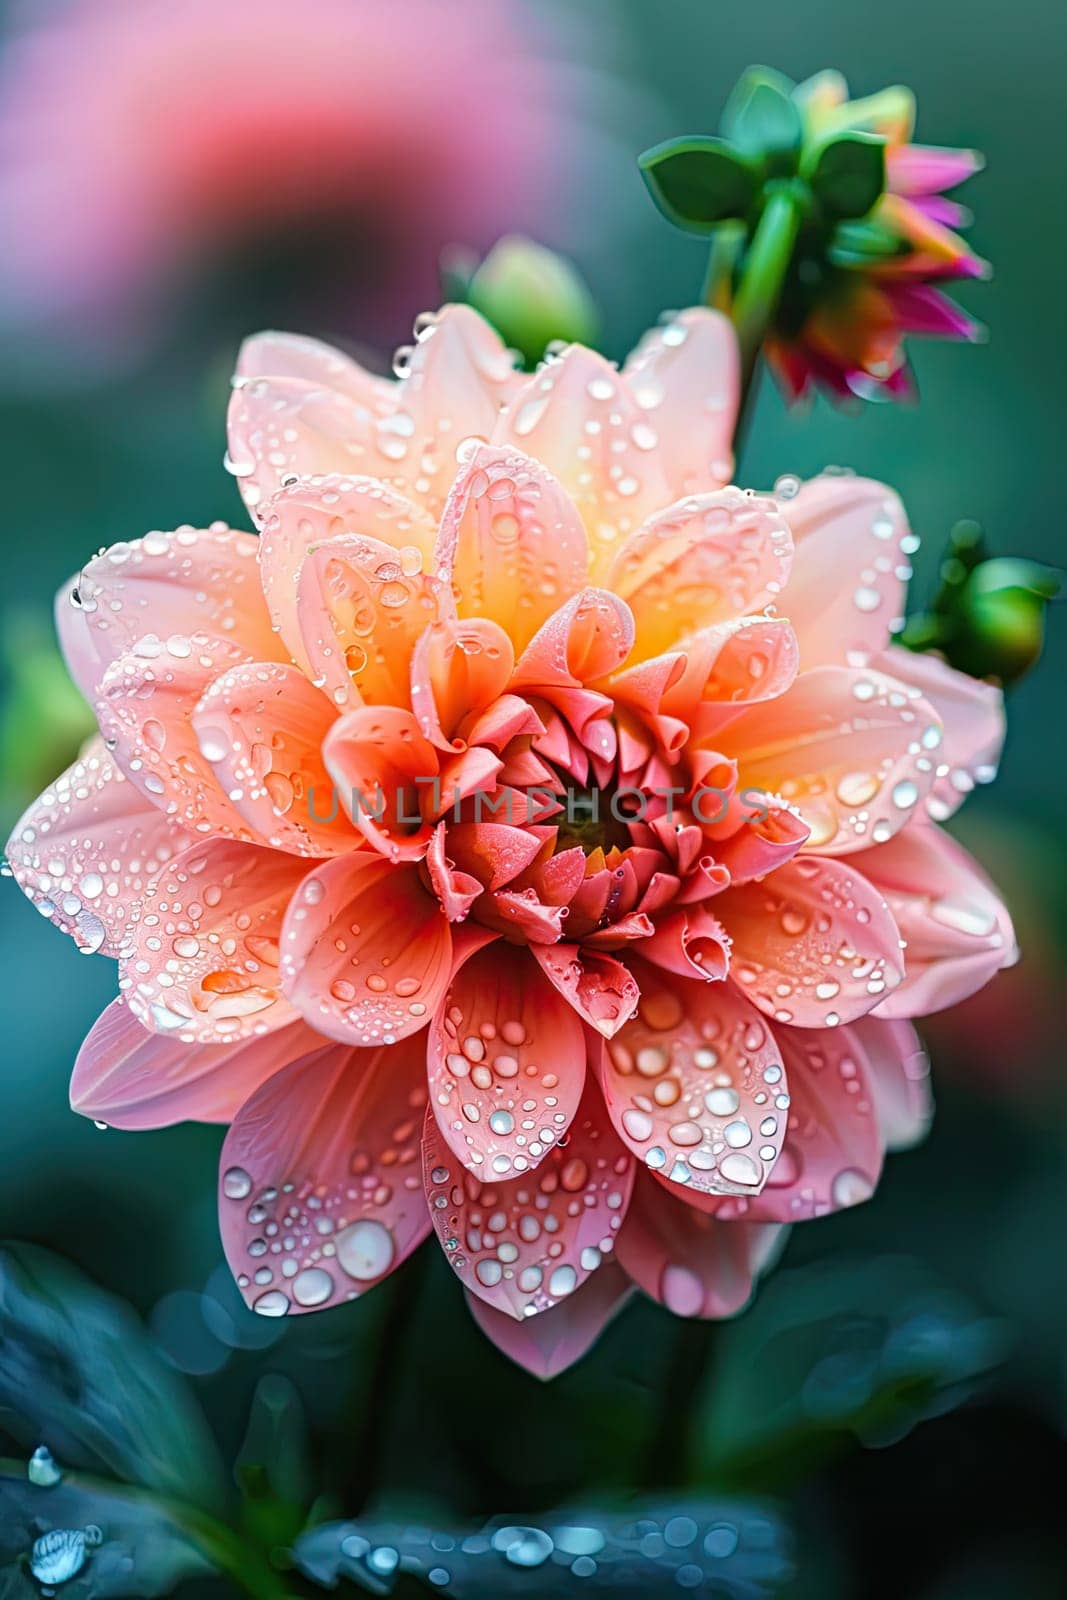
{"type": "Point", "coordinates": [166, 586]}
{"type": "Point", "coordinates": [728, 666]}
{"type": "Point", "coordinates": [709, 558]}
{"type": "Point", "coordinates": [384, 770]}
{"type": "Point", "coordinates": [311, 512]}
{"type": "Point", "coordinates": [130, 1078]}
{"type": "Point", "coordinates": [916, 169]}
{"type": "Point", "coordinates": [850, 568]}
{"type": "Point", "coordinates": [282, 426]}
{"type": "Point", "coordinates": [687, 374]}
{"type": "Point", "coordinates": [769, 838]}
{"type": "Point", "coordinates": [548, 1344]}
{"type": "Point", "coordinates": [203, 959]}
{"type": "Point", "coordinates": [525, 1244]}
{"type": "Point", "coordinates": [920, 308]}
{"type": "Point", "coordinates": [972, 715]}
{"type": "Point", "coordinates": [493, 852]}
{"type": "Point", "coordinates": [261, 727]}
{"type": "Point", "coordinates": [145, 706]}
{"type": "Point", "coordinates": [852, 749]}
{"type": "Point", "coordinates": [456, 890]}
{"type": "Point", "coordinates": [360, 617]}
{"type": "Point", "coordinates": [691, 1084]}
{"type": "Point", "coordinates": [955, 927]}
{"type": "Point", "coordinates": [294, 355]}
{"type": "Point", "coordinates": [689, 942]}
{"type": "Point", "coordinates": [899, 1080]}
{"type": "Point", "coordinates": [578, 417]}
{"type": "Point", "coordinates": [833, 1148]}
{"type": "Point", "coordinates": [459, 668]}
{"type": "Point", "coordinates": [511, 544]}
{"type": "Point", "coordinates": [691, 1263]}
{"type": "Point", "coordinates": [506, 1059]}
{"type": "Point", "coordinates": [85, 851]}
{"type": "Point", "coordinates": [366, 952]}
{"type": "Point", "coordinates": [599, 987]}
{"type": "Point", "coordinates": [325, 1156]}
{"type": "Point", "coordinates": [587, 639]}
{"type": "Point", "coordinates": [814, 943]}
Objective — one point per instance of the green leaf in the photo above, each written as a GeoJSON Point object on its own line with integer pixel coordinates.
{"type": "Point", "coordinates": [836, 1352]}
{"type": "Point", "coordinates": [761, 118]}
{"type": "Point", "coordinates": [741, 1550]}
{"type": "Point", "coordinates": [273, 1467]}
{"type": "Point", "coordinates": [79, 1373]}
{"type": "Point", "coordinates": [698, 182]}
{"type": "Point", "coordinates": [142, 1553]}
{"type": "Point", "coordinates": [847, 175]}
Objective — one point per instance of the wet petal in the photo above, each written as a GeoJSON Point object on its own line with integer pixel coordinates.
{"type": "Point", "coordinates": [578, 418]}
{"type": "Point", "coordinates": [693, 1085]}
{"type": "Point", "coordinates": [87, 849]}
{"type": "Point", "coordinates": [813, 944]}
{"type": "Point", "coordinates": [850, 569]}
{"type": "Point", "coordinates": [506, 1060]}
{"type": "Point", "coordinates": [686, 375]}
{"type": "Point", "coordinates": [511, 543]}
{"type": "Point", "coordinates": [899, 1080]}
{"type": "Point", "coordinates": [852, 750]}
{"type": "Point", "coordinates": [710, 558]}
{"type": "Point", "coordinates": [588, 638]}
{"type": "Point", "coordinates": [526, 1244]}
{"type": "Point", "coordinates": [203, 966]}
{"type": "Point", "coordinates": [320, 1192]}
{"type": "Point", "coordinates": [366, 951]}
{"type": "Point", "coordinates": [130, 1078]}
{"type": "Point", "coordinates": [385, 774]}
{"type": "Point", "coordinates": [956, 929]}
{"type": "Point", "coordinates": [548, 1344]}
{"type": "Point", "coordinates": [691, 1263]}
{"type": "Point", "coordinates": [314, 511]}
{"type": "Point", "coordinates": [360, 616]}
{"type": "Point", "coordinates": [162, 587]}
{"type": "Point", "coordinates": [145, 707]}
{"type": "Point", "coordinates": [599, 987]}
{"type": "Point", "coordinates": [295, 355]}
{"type": "Point", "coordinates": [972, 715]}
{"type": "Point", "coordinates": [261, 728]}
{"type": "Point", "coordinates": [458, 669]}
{"type": "Point", "coordinates": [403, 433]}
{"type": "Point", "coordinates": [833, 1148]}
{"type": "Point", "coordinates": [689, 942]}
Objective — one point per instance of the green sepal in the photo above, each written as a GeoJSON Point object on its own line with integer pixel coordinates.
{"type": "Point", "coordinates": [698, 182]}
{"type": "Point", "coordinates": [847, 175]}
{"type": "Point", "coordinates": [761, 116]}
{"type": "Point", "coordinates": [861, 244]}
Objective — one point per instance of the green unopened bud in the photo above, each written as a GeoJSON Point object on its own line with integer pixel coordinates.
{"type": "Point", "coordinates": [1002, 617]}
{"type": "Point", "coordinates": [44, 721]}
{"type": "Point", "coordinates": [532, 297]}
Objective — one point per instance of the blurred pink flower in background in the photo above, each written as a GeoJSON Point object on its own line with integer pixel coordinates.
{"type": "Point", "coordinates": [141, 143]}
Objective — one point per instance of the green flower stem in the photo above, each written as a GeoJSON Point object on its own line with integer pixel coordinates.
{"type": "Point", "coordinates": [763, 275]}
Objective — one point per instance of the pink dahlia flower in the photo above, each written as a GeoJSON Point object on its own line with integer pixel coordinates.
{"type": "Point", "coordinates": [525, 839]}
{"type": "Point", "coordinates": [138, 142]}
{"type": "Point", "coordinates": [844, 329]}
